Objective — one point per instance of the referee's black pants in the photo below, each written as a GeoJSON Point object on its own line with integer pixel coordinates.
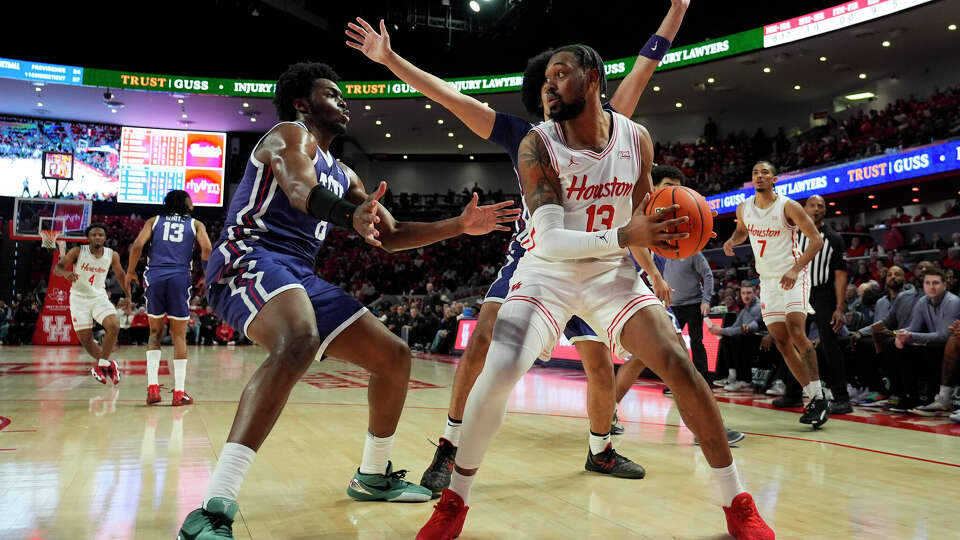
{"type": "Point", "coordinates": [823, 299]}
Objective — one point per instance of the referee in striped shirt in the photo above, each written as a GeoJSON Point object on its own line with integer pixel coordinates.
{"type": "Point", "coordinates": [828, 280]}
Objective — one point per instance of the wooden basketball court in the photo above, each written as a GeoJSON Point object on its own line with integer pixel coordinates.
{"type": "Point", "coordinates": [81, 460]}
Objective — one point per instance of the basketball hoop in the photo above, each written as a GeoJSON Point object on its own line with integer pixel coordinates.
{"type": "Point", "coordinates": [48, 238]}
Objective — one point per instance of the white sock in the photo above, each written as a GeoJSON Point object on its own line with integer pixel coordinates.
{"type": "Point", "coordinates": [452, 431]}
{"type": "Point", "coordinates": [153, 367]}
{"type": "Point", "coordinates": [376, 454]}
{"type": "Point", "coordinates": [460, 484]}
{"type": "Point", "coordinates": [103, 362]}
{"type": "Point", "coordinates": [598, 443]}
{"type": "Point", "coordinates": [813, 390]}
{"type": "Point", "coordinates": [179, 373]}
{"type": "Point", "coordinates": [730, 485]}
{"type": "Point", "coordinates": [228, 475]}
{"type": "Point", "coordinates": [732, 374]}
{"type": "Point", "coordinates": [946, 394]}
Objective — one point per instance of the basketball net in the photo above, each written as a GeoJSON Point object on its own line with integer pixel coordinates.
{"type": "Point", "coordinates": [48, 239]}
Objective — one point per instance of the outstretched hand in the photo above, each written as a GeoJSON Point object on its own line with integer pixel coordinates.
{"type": "Point", "coordinates": [477, 220]}
{"type": "Point", "coordinates": [365, 217]}
{"type": "Point", "coordinates": [366, 40]}
{"type": "Point", "coordinates": [131, 277]}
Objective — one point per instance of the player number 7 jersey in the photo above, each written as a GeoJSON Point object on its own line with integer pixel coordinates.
{"type": "Point", "coordinates": [597, 188]}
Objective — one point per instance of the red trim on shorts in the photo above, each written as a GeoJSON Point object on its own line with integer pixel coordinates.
{"type": "Point", "coordinates": [540, 306]}
{"type": "Point", "coordinates": [626, 308]}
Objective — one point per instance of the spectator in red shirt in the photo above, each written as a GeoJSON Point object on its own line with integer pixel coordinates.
{"type": "Point", "coordinates": [923, 215]}
{"type": "Point", "coordinates": [901, 217]}
{"type": "Point", "coordinates": [892, 239]}
{"type": "Point", "coordinates": [139, 327]}
{"type": "Point", "coordinates": [856, 249]}
{"type": "Point", "coordinates": [952, 259]}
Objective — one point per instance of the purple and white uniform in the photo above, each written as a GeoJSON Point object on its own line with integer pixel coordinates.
{"type": "Point", "coordinates": [268, 247]}
{"type": "Point", "coordinates": [167, 275]}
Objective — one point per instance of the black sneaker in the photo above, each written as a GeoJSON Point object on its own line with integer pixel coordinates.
{"type": "Point", "coordinates": [786, 402]}
{"type": "Point", "coordinates": [667, 391]}
{"type": "Point", "coordinates": [840, 407]}
{"type": "Point", "coordinates": [616, 428]}
{"type": "Point", "coordinates": [612, 463]}
{"type": "Point", "coordinates": [437, 476]}
{"type": "Point", "coordinates": [817, 412]}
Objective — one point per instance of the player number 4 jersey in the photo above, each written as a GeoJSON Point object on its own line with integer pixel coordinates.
{"type": "Point", "coordinates": [597, 188]}
{"type": "Point", "coordinates": [92, 271]}
{"type": "Point", "coordinates": [773, 239]}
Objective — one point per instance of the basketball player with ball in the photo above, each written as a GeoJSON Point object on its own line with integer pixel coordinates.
{"type": "Point", "coordinates": [587, 162]}
{"type": "Point", "coordinates": [773, 222]}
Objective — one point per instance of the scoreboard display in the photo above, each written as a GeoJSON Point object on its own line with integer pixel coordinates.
{"type": "Point", "coordinates": [58, 165]}
{"type": "Point", "coordinates": [155, 161]}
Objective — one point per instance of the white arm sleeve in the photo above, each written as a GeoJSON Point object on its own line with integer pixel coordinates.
{"type": "Point", "coordinates": [551, 240]}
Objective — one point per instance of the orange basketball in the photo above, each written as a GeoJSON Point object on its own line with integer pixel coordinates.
{"type": "Point", "coordinates": [692, 204]}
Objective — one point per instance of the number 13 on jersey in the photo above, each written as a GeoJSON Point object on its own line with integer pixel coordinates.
{"type": "Point", "coordinates": [605, 213]}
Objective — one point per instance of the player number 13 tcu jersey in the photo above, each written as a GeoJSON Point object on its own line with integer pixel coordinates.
{"type": "Point", "coordinates": [597, 189]}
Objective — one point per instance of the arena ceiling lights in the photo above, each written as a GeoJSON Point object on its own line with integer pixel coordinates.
{"type": "Point", "coordinates": [771, 35]}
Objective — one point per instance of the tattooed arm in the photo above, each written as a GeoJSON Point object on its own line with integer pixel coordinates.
{"type": "Point", "coordinates": [543, 195]}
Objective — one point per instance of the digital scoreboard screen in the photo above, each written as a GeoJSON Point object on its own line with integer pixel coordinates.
{"type": "Point", "coordinates": [155, 161]}
{"type": "Point", "coordinates": [58, 165]}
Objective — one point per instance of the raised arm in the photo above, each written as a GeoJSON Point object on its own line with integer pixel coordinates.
{"type": "Point", "coordinates": [796, 214]}
{"type": "Point", "coordinates": [290, 151]}
{"type": "Point", "coordinates": [400, 235]}
{"type": "Point", "coordinates": [135, 250]}
{"type": "Point", "coordinates": [625, 99]}
{"type": "Point", "coordinates": [67, 260]}
{"type": "Point", "coordinates": [376, 46]}
{"type": "Point", "coordinates": [739, 235]}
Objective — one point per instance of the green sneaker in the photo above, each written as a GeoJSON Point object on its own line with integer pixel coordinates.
{"type": "Point", "coordinates": [386, 487]}
{"type": "Point", "coordinates": [216, 521]}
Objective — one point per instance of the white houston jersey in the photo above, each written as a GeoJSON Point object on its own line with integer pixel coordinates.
{"type": "Point", "coordinates": [773, 239]}
{"type": "Point", "coordinates": [92, 271]}
{"type": "Point", "coordinates": [597, 189]}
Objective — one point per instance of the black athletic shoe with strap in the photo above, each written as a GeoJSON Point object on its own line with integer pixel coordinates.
{"type": "Point", "coordinates": [612, 463]}
{"type": "Point", "coordinates": [816, 413]}
{"type": "Point", "coordinates": [437, 476]}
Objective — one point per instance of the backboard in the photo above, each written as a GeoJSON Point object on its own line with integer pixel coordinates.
{"type": "Point", "coordinates": [69, 216]}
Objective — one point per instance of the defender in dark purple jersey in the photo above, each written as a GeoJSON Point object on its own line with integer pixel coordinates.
{"type": "Point", "coordinates": [260, 279]}
{"type": "Point", "coordinates": [167, 278]}
{"type": "Point", "coordinates": [508, 130]}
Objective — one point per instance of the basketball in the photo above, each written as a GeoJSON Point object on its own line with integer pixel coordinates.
{"type": "Point", "coordinates": [693, 205]}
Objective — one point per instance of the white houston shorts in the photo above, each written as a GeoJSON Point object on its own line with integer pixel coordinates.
{"type": "Point", "coordinates": [544, 295]}
{"type": "Point", "coordinates": [775, 302]}
{"type": "Point", "coordinates": [86, 309]}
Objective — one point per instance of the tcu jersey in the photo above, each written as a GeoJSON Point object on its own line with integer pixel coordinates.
{"type": "Point", "coordinates": [171, 246]}
{"type": "Point", "coordinates": [92, 271]}
{"type": "Point", "coordinates": [597, 188]}
{"type": "Point", "coordinates": [260, 216]}
{"type": "Point", "coordinates": [773, 239]}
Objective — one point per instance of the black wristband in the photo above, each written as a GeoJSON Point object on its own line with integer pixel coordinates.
{"type": "Point", "coordinates": [325, 206]}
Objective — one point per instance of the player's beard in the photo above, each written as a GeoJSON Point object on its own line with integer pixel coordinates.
{"type": "Point", "coordinates": [568, 111]}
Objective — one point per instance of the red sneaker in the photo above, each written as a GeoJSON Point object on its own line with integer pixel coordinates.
{"type": "Point", "coordinates": [447, 519]}
{"type": "Point", "coordinates": [114, 371]}
{"type": "Point", "coordinates": [153, 394]}
{"type": "Point", "coordinates": [99, 374]}
{"type": "Point", "coordinates": [744, 521]}
{"type": "Point", "coordinates": [181, 398]}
